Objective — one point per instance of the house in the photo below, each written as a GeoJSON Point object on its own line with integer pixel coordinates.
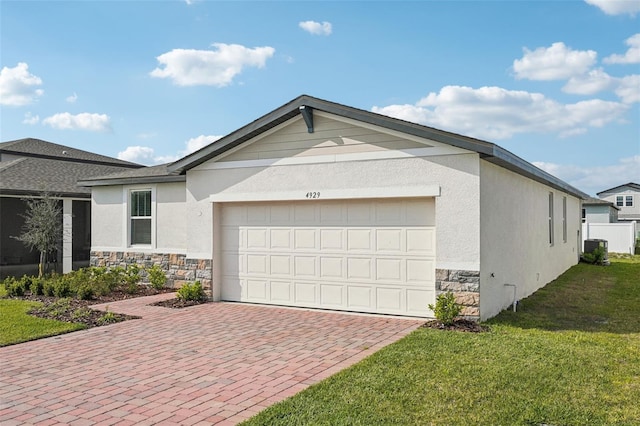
{"type": "Point", "coordinates": [29, 167]}
{"type": "Point", "coordinates": [596, 210]}
{"type": "Point", "coordinates": [626, 198]}
{"type": "Point", "coordinates": [320, 205]}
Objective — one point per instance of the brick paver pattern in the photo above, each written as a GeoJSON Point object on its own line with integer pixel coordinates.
{"type": "Point", "coordinates": [217, 363]}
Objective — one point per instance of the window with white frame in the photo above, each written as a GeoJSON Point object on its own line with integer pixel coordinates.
{"type": "Point", "coordinates": [584, 215]}
{"type": "Point", "coordinates": [629, 201]}
{"type": "Point", "coordinates": [564, 219]}
{"type": "Point", "coordinates": [619, 201]}
{"type": "Point", "coordinates": [140, 217]}
{"type": "Point", "coordinates": [551, 218]}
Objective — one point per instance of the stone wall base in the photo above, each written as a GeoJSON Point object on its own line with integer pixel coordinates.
{"type": "Point", "coordinates": [465, 285]}
{"type": "Point", "coordinates": [178, 268]}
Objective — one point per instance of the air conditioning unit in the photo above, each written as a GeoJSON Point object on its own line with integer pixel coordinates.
{"type": "Point", "coordinates": [592, 244]}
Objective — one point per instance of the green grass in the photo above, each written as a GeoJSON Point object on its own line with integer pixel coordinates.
{"type": "Point", "coordinates": [569, 356]}
{"type": "Point", "coordinates": [17, 326]}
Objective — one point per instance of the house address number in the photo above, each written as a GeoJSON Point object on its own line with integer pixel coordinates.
{"type": "Point", "coordinates": [313, 194]}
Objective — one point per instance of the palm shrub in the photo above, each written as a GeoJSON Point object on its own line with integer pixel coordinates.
{"type": "Point", "coordinates": [446, 309]}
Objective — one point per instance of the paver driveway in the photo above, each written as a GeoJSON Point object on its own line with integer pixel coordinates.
{"type": "Point", "coordinates": [217, 363]}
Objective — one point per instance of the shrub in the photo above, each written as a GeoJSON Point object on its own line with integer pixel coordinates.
{"type": "Point", "coordinates": [108, 318]}
{"type": "Point", "coordinates": [132, 278]}
{"type": "Point", "coordinates": [596, 257]}
{"type": "Point", "coordinates": [48, 286]}
{"type": "Point", "coordinates": [15, 288]}
{"type": "Point", "coordinates": [61, 286]}
{"type": "Point", "coordinates": [191, 291]}
{"type": "Point", "coordinates": [157, 278]}
{"type": "Point", "coordinates": [36, 287]}
{"type": "Point", "coordinates": [446, 309]}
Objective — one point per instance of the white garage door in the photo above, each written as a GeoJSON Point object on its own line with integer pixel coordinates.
{"type": "Point", "coordinates": [361, 255]}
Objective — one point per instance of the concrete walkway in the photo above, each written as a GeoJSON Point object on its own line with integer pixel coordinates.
{"type": "Point", "coordinates": [218, 363]}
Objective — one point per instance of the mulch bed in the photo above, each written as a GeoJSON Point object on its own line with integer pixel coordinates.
{"type": "Point", "coordinates": [458, 325]}
{"type": "Point", "coordinates": [79, 311]}
{"type": "Point", "coordinates": [179, 303]}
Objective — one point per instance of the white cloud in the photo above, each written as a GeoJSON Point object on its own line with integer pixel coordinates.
{"type": "Point", "coordinates": [72, 99]}
{"type": "Point", "coordinates": [629, 89]}
{"type": "Point", "coordinates": [146, 155]}
{"type": "Point", "coordinates": [495, 113]}
{"type": "Point", "coordinates": [190, 67]}
{"type": "Point", "coordinates": [31, 119]}
{"type": "Point", "coordinates": [587, 84]}
{"type": "Point", "coordinates": [617, 7]}
{"type": "Point", "coordinates": [596, 178]}
{"type": "Point", "coordinates": [137, 154]}
{"type": "Point", "coordinates": [82, 121]}
{"type": "Point", "coordinates": [557, 62]}
{"type": "Point", "coordinates": [632, 55]}
{"type": "Point", "coordinates": [316, 28]}
{"type": "Point", "coordinates": [18, 86]}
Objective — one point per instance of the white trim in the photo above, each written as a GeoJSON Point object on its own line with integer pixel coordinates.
{"type": "Point", "coordinates": [67, 235]}
{"type": "Point", "coordinates": [199, 256]}
{"type": "Point", "coordinates": [331, 194]}
{"type": "Point", "coordinates": [140, 249]}
{"type": "Point", "coordinates": [126, 193]}
{"type": "Point", "coordinates": [335, 158]}
{"type": "Point", "coordinates": [458, 266]}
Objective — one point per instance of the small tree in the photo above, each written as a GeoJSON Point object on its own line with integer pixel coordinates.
{"type": "Point", "coordinates": [42, 229]}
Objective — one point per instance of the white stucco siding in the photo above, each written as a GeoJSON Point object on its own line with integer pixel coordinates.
{"type": "Point", "coordinates": [110, 219]}
{"type": "Point", "coordinates": [171, 227]}
{"type": "Point", "coordinates": [456, 176]}
{"type": "Point", "coordinates": [514, 235]}
{"type": "Point", "coordinates": [107, 218]}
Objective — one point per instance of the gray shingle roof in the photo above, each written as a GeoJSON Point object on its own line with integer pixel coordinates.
{"type": "Point", "coordinates": [43, 149]}
{"type": "Point", "coordinates": [615, 188]}
{"type": "Point", "coordinates": [37, 166]}
{"type": "Point", "coordinates": [597, 201]}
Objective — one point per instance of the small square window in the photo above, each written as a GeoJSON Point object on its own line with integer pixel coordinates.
{"type": "Point", "coordinates": [629, 201]}
{"type": "Point", "coordinates": [619, 201]}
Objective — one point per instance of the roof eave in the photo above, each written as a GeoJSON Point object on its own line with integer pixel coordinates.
{"type": "Point", "coordinates": [132, 180]}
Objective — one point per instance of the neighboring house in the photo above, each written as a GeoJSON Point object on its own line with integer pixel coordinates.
{"type": "Point", "coordinates": [595, 210]}
{"type": "Point", "coordinates": [29, 167]}
{"type": "Point", "coordinates": [321, 205]}
{"type": "Point", "coordinates": [626, 198]}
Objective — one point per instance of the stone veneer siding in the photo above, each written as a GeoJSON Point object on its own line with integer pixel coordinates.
{"type": "Point", "coordinates": [178, 268]}
{"type": "Point", "coordinates": [465, 285]}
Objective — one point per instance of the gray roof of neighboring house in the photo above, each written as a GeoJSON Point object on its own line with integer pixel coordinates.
{"type": "Point", "coordinates": [37, 166]}
{"type": "Point", "coordinates": [306, 104]}
{"type": "Point", "coordinates": [144, 175]}
{"type": "Point", "coordinates": [598, 202]}
{"type": "Point", "coordinates": [615, 188]}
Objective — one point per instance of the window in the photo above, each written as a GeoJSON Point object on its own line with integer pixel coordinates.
{"type": "Point", "coordinates": [629, 201]}
{"type": "Point", "coordinates": [584, 215]}
{"type": "Point", "coordinates": [564, 219]}
{"type": "Point", "coordinates": [140, 217]}
{"type": "Point", "coordinates": [619, 200]}
{"type": "Point", "coordinates": [551, 218]}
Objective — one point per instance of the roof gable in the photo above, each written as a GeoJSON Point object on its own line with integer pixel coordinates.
{"type": "Point", "coordinates": [630, 185]}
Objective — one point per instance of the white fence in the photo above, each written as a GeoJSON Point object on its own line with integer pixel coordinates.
{"type": "Point", "coordinates": [621, 236]}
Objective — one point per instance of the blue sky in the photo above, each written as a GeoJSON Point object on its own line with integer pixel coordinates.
{"type": "Point", "coordinates": [555, 82]}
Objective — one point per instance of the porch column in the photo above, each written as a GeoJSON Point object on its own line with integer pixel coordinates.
{"type": "Point", "coordinates": [67, 235]}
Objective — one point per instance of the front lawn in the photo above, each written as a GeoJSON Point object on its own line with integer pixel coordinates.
{"type": "Point", "coordinates": [17, 326]}
{"type": "Point", "coordinates": [569, 356]}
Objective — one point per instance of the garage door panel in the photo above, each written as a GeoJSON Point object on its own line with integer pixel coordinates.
{"type": "Point", "coordinates": [305, 294]}
{"type": "Point", "coordinates": [281, 291]}
{"type": "Point", "coordinates": [418, 301]}
{"type": "Point", "coordinates": [360, 297]}
{"type": "Point", "coordinates": [332, 295]}
{"type": "Point", "coordinates": [359, 255]}
{"type": "Point", "coordinates": [389, 299]}
{"type": "Point", "coordinates": [331, 267]}
{"type": "Point", "coordinates": [280, 239]}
